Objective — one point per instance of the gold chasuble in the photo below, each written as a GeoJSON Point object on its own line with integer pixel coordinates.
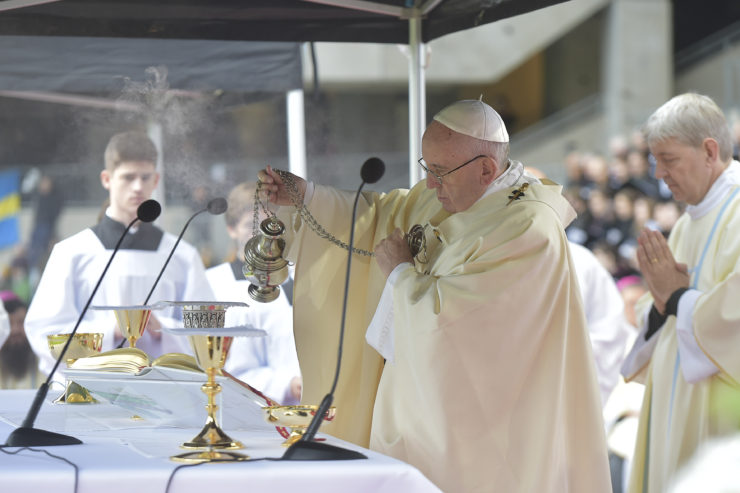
{"type": "Point", "coordinates": [678, 416]}
{"type": "Point", "coordinates": [493, 386]}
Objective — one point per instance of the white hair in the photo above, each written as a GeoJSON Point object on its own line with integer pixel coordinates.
{"type": "Point", "coordinates": [690, 118]}
{"type": "Point", "coordinates": [497, 150]}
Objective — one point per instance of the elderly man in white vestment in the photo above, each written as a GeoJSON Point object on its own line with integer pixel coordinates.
{"type": "Point", "coordinates": [480, 371]}
{"type": "Point", "coordinates": [687, 350]}
{"type": "Point", "coordinates": [75, 263]}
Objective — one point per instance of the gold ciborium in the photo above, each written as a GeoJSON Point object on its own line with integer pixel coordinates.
{"type": "Point", "coordinates": [297, 418]}
{"type": "Point", "coordinates": [211, 352]}
{"type": "Point", "coordinates": [82, 345]}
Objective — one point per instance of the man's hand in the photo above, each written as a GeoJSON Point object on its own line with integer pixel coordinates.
{"type": "Point", "coordinates": [392, 251]}
{"type": "Point", "coordinates": [662, 273]}
{"type": "Point", "coordinates": [275, 191]}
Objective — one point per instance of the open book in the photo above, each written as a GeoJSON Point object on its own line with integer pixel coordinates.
{"type": "Point", "coordinates": [133, 360]}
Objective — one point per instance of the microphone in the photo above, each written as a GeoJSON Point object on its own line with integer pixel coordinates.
{"type": "Point", "coordinates": [305, 448]}
{"type": "Point", "coordinates": [372, 170]}
{"type": "Point", "coordinates": [215, 206]}
{"type": "Point", "coordinates": [27, 435]}
{"type": "Point", "coordinates": [148, 211]}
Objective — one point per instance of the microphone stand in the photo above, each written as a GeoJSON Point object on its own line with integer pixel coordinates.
{"type": "Point", "coordinates": [215, 206]}
{"type": "Point", "coordinates": [306, 448]}
{"type": "Point", "coordinates": [26, 435]}
{"type": "Point", "coordinates": [166, 262]}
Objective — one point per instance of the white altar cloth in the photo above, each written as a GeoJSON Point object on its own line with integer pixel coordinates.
{"type": "Point", "coordinates": [122, 455]}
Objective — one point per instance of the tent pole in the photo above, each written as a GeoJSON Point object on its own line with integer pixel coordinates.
{"type": "Point", "coordinates": [417, 97]}
{"type": "Point", "coordinates": [296, 132]}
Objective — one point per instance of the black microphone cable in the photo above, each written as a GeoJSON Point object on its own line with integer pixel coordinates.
{"type": "Point", "coordinates": [53, 456]}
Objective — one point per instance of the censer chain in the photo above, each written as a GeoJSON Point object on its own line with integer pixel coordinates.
{"type": "Point", "coordinates": [304, 213]}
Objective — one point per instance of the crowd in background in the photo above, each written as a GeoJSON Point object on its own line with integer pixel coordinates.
{"type": "Point", "coordinates": [616, 195]}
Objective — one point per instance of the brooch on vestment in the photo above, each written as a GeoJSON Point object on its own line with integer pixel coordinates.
{"type": "Point", "coordinates": [518, 193]}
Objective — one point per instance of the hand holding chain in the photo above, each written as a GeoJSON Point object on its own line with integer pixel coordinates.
{"type": "Point", "coordinates": [415, 237]}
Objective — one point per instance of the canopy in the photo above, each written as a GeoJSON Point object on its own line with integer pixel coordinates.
{"type": "Point", "coordinates": [94, 65]}
{"type": "Point", "coordinates": [411, 22]}
{"type": "Point", "coordinates": [378, 21]}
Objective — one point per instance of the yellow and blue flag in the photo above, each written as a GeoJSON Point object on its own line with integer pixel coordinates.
{"type": "Point", "coordinates": [10, 208]}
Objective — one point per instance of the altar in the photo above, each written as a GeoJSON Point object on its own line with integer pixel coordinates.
{"type": "Point", "coordinates": [124, 453]}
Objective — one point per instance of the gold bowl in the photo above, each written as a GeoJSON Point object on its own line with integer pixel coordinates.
{"type": "Point", "coordinates": [83, 345]}
{"type": "Point", "coordinates": [297, 418]}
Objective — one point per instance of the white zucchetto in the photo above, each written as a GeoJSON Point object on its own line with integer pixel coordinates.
{"type": "Point", "coordinates": [474, 118]}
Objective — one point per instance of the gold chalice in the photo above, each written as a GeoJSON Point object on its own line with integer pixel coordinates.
{"type": "Point", "coordinates": [82, 345]}
{"type": "Point", "coordinates": [132, 322]}
{"type": "Point", "coordinates": [297, 418]}
{"type": "Point", "coordinates": [211, 352]}
{"type": "Point", "coordinates": [131, 319]}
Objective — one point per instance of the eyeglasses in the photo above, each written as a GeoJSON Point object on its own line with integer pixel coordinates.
{"type": "Point", "coordinates": [422, 163]}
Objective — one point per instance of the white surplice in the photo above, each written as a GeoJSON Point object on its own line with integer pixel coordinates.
{"type": "Point", "coordinates": [73, 269]}
{"type": "Point", "coordinates": [266, 363]}
{"type": "Point", "coordinates": [607, 327]}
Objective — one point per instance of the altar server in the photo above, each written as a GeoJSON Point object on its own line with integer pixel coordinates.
{"type": "Point", "coordinates": [480, 373]}
{"type": "Point", "coordinates": [687, 351]}
{"type": "Point", "coordinates": [75, 264]}
{"type": "Point", "coordinates": [270, 363]}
